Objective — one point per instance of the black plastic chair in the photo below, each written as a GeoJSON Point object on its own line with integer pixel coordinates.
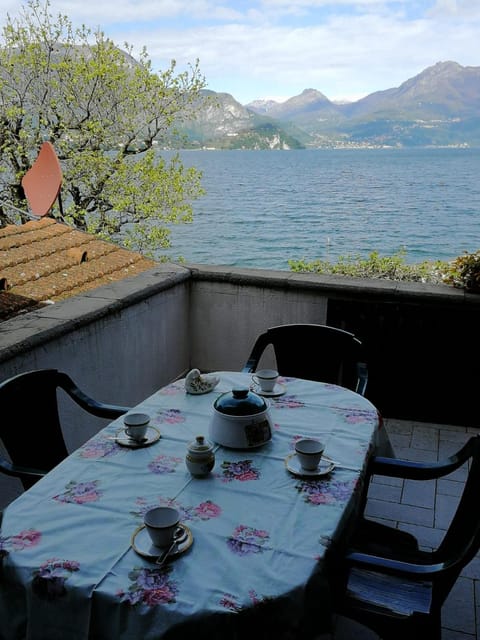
{"type": "Point", "coordinates": [396, 589]}
{"type": "Point", "coordinates": [30, 428]}
{"type": "Point", "coordinates": [314, 352]}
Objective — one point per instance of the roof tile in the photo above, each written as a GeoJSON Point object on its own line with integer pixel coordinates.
{"type": "Point", "coordinates": [45, 261]}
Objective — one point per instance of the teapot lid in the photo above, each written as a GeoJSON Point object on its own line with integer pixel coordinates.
{"type": "Point", "coordinates": [240, 402]}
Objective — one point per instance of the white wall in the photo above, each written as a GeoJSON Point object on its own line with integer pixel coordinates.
{"type": "Point", "coordinates": [226, 318]}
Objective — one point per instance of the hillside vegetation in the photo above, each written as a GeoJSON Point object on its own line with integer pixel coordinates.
{"type": "Point", "coordinates": [438, 107]}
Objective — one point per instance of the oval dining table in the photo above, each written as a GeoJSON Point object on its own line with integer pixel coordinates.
{"type": "Point", "coordinates": [76, 563]}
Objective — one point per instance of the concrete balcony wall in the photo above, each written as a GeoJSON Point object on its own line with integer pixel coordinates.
{"type": "Point", "coordinates": [119, 343]}
{"type": "Point", "coordinates": [421, 340]}
{"type": "Point", "coordinates": [230, 308]}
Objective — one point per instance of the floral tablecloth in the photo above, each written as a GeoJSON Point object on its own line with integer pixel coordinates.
{"type": "Point", "coordinates": [259, 533]}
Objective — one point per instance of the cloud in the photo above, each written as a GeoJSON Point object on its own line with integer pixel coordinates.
{"type": "Point", "coordinates": [456, 8]}
{"type": "Point", "coordinates": [346, 55]}
{"type": "Point", "coordinates": [124, 11]}
{"type": "Point", "coordinates": [280, 47]}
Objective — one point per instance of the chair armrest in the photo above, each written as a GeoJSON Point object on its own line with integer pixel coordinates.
{"type": "Point", "coordinates": [18, 471]}
{"type": "Point", "coordinates": [249, 367]}
{"type": "Point", "coordinates": [256, 353]}
{"type": "Point", "coordinates": [398, 468]}
{"type": "Point", "coordinates": [362, 378]}
{"type": "Point", "coordinates": [100, 409]}
{"type": "Point", "coordinates": [390, 565]}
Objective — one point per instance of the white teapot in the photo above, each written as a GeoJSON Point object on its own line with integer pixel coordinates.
{"type": "Point", "coordinates": [241, 420]}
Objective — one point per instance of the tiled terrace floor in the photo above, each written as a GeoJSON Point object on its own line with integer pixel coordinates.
{"type": "Point", "coordinates": [424, 509]}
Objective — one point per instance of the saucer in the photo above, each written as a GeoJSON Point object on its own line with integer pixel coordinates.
{"type": "Point", "coordinates": [278, 390]}
{"type": "Point", "coordinates": [152, 435]}
{"type": "Point", "coordinates": [142, 543]}
{"type": "Point", "coordinates": [293, 465]}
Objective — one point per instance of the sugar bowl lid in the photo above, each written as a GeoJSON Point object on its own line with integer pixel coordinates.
{"type": "Point", "coordinates": [240, 402]}
{"type": "Point", "coordinates": [200, 445]}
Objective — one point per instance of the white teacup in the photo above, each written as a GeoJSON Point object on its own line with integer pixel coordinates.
{"type": "Point", "coordinates": [309, 452]}
{"type": "Point", "coordinates": [265, 379]}
{"type": "Point", "coordinates": [161, 524]}
{"type": "Point", "coordinates": [136, 425]}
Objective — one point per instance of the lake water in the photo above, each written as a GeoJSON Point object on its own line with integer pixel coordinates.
{"type": "Point", "coordinates": [263, 208]}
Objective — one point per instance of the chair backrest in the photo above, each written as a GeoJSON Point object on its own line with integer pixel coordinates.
{"type": "Point", "coordinates": [398, 592]}
{"type": "Point", "coordinates": [32, 434]}
{"type": "Point", "coordinates": [312, 351]}
{"type": "Point", "coordinates": [43, 181]}
{"type": "Point", "coordinates": [462, 539]}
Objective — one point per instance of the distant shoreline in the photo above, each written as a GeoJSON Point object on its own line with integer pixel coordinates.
{"type": "Point", "coordinates": [359, 147]}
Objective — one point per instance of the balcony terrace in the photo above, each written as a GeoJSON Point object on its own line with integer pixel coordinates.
{"type": "Point", "coordinates": [122, 341]}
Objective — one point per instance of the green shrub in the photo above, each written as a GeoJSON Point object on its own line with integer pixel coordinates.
{"type": "Point", "coordinates": [464, 271]}
{"type": "Point", "coordinates": [376, 266]}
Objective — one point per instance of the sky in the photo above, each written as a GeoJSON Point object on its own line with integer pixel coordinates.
{"type": "Point", "coordinates": [254, 49]}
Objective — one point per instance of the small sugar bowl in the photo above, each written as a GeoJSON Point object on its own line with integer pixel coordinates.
{"type": "Point", "coordinates": [200, 458]}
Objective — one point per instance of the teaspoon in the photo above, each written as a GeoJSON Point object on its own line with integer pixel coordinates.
{"type": "Point", "coordinates": [178, 535]}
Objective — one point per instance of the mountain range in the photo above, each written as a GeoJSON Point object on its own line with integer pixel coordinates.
{"type": "Point", "coordinates": [438, 107]}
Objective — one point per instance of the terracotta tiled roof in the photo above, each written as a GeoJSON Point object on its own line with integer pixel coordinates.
{"type": "Point", "coordinates": [44, 261]}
